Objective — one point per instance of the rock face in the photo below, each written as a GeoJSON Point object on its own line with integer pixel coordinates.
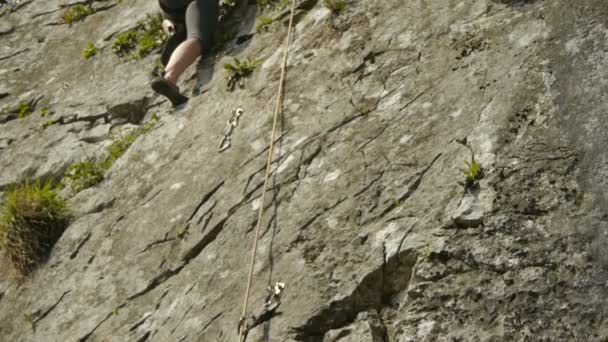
{"type": "Point", "coordinates": [367, 220]}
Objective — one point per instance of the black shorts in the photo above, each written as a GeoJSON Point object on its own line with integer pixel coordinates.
{"type": "Point", "coordinates": [199, 17]}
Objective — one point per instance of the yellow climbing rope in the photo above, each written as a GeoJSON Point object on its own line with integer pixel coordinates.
{"type": "Point", "coordinates": [277, 109]}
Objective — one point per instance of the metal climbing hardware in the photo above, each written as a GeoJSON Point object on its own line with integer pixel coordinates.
{"type": "Point", "coordinates": [226, 141]}
{"type": "Point", "coordinates": [265, 313]}
{"type": "Point", "coordinates": [274, 294]}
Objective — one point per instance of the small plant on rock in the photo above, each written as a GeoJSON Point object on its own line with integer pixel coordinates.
{"type": "Point", "coordinates": [238, 71]}
{"type": "Point", "coordinates": [152, 35]}
{"type": "Point", "coordinates": [141, 41]}
{"type": "Point", "coordinates": [24, 110]}
{"type": "Point", "coordinates": [124, 43]}
{"type": "Point", "coordinates": [263, 23]}
{"type": "Point", "coordinates": [90, 51]}
{"type": "Point", "coordinates": [76, 13]}
{"type": "Point", "coordinates": [45, 112]}
{"type": "Point", "coordinates": [336, 6]}
{"type": "Point", "coordinates": [84, 175]}
{"type": "Point", "coordinates": [473, 173]}
{"type": "Point", "coordinates": [33, 218]}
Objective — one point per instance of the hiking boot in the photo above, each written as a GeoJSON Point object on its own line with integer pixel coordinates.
{"type": "Point", "coordinates": [169, 90]}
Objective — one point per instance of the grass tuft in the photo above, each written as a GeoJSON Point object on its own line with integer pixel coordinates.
{"type": "Point", "coordinates": [33, 218]}
{"type": "Point", "coordinates": [90, 51]}
{"type": "Point", "coordinates": [76, 13]}
{"type": "Point", "coordinates": [88, 173]}
{"type": "Point", "coordinates": [473, 172]}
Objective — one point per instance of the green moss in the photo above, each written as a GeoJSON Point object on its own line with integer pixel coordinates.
{"type": "Point", "coordinates": [25, 110]}
{"type": "Point", "coordinates": [141, 41]}
{"type": "Point", "coordinates": [336, 6]}
{"type": "Point", "coordinates": [76, 13]}
{"type": "Point", "coordinates": [47, 124]}
{"type": "Point", "coordinates": [45, 112]}
{"type": "Point", "coordinates": [238, 71]}
{"type": "Point", "coordinates": [263, 23]}
{"type": "Point", "coordinates": [33, 218]}
{"type": "Point", "coordinates": [90, 51]}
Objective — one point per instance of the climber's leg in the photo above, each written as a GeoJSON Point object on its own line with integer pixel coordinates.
{"type": "Point", "coordinates": [185, 54]}
{"type": "Point", "coordinates": [201, 22]}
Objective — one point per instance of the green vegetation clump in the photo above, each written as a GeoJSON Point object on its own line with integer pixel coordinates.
{"type": "Point", "coordinates": [48, 124]}
{"type": "Point", "coordinates": [90, 51]}
{"type": "Point", "coordinates": [238, 71]}
{"type": "Point", "coordinates": [336, 6]}
{"type": "Point", "coordinates": [76, 13]}
{"type": "Point", "coordinates": [263, 23]}
{"type": "Point", "coordinates": [84, 175]}
{"type": "Point", "coordinates": [142, 40]}
{"type": "Point", "coordinates": [33, 218]}
{"type": "Point", "coordinates": [473, 172]}
{"type": "Point", "coordinates": [124, 43]}
{"type": "Point", "coordinates": [88, 173]}
{"type": "Point", "coordinates": [25, 110]}
{"type": "Point", "coordinates": [45, 112]}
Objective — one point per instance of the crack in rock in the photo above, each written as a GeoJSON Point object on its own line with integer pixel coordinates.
{"type": "Point", "coordinates": [82, 242]}
{"type": "Point", "coordinates": [204, 200]}
{"type": "Point", "coordinates": [51, 308]}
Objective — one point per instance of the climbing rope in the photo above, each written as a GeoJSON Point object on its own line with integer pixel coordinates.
{"type": "Point", "coordinates": [242, 327]}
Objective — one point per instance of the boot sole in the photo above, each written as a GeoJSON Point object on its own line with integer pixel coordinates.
{"type": "Point", "coordinates": [163, 87]}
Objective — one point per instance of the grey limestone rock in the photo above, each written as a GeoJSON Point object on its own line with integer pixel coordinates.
{"type": "Point", "coordinates": [384, 101]}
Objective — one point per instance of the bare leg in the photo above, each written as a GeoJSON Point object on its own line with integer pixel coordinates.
{"type": "Point", "coordinates": [183, 56]}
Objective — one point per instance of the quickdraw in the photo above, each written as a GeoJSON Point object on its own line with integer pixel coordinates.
{"type": "Point", "coordinates": [265, 314]}
{"type": "Point", "coordinates": [232, 123]}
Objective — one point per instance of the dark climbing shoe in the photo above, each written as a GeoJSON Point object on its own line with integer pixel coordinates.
{"type": "Point", "coordinates": [169, 90]}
